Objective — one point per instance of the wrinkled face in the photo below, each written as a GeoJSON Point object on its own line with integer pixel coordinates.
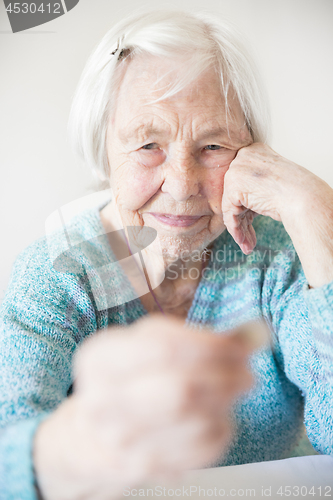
{"type": "Point", "coordinates": [168, 160]}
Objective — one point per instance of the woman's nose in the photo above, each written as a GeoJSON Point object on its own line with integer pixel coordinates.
{"type": "Point", "coordinates": [181, 179]}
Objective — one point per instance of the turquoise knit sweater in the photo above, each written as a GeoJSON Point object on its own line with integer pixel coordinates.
{"type": "Point", "coordinates": [50, 308]}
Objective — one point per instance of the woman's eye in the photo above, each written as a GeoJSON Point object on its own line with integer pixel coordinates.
{"type": "Point", "coordinates": [213, 147]}
{"type": "Point", "coordinates": [151, 145]}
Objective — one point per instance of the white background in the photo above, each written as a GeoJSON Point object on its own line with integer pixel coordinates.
{"type": "Point", "coordinates": [291, 39]}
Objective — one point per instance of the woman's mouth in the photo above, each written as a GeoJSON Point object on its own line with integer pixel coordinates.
{"type": "Point", "coordinates": [176, 220]}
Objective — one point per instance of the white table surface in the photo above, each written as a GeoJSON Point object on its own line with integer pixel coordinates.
{"type": "Point", "coordinates": [308, 477]}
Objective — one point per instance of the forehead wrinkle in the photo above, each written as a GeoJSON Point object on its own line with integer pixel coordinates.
{"type": "Point", "coordinates": [219, 132]}
{"type": "Point", "coordinates": [214, 128]}
{"type": "Point", "coordinates": [143, 129]}
{"type": "Point", "coordinates": [185, 121]}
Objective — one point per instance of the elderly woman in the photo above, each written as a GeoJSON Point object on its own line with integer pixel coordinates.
{"type": "Point", "coordinates": [169, 109]}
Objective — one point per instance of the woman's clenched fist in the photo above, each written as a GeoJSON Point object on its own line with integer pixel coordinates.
{"type": "Point", "coordinates": [151, 399]}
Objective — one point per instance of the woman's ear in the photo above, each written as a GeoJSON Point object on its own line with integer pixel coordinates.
{"type": "Point", "coordinates": [101, 179]}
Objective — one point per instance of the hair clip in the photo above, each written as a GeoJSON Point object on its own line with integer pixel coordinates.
{"type": "Point", "coordinates": [116, 50]}
{"type": "Point", "coordinates": [122, 52]}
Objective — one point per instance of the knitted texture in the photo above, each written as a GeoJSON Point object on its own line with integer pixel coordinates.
{"type": "Point", "coordinates": [55, 300]}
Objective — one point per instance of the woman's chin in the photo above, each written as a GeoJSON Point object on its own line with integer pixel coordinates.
{"type": "Point", "coordinates": [177, 248]}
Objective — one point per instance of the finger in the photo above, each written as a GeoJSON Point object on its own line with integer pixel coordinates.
{"type": "Point", "coordinates": [252, 335]}
{"type": "Point", "coordinates": [162, 397]}
{"type": "Point", "coordinates": [238, 221]}
{"type": "Point", "coordinates": [198, 441]}
{"type": "Point", "coordinates": [184, 346]}
{"type": "Point", "coordinates": [148, 346]}
{"type": "Point", "coordinates": [249, 237]}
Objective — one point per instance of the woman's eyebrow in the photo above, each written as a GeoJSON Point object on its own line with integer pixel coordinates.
{"type": "Point", "coordinates": [145, 130]}
{"type": "Point", "coordinates": [141, 131]}
{"type": "Point", "coordinates": [204, 133]}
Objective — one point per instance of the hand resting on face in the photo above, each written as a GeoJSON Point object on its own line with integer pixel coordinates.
{"type": "Point", "coordinates": [260, 181]}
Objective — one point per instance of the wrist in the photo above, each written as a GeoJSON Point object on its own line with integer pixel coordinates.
{"type": "Point", "coordinates": [50, 454]}
{"type": "Point", "coordinates": [309, 225]}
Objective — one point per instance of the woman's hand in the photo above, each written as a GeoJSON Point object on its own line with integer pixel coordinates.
{"type": "Point", "coordinates": [259, 181]}
{"type": "Point", "coordinates": [152, 399]}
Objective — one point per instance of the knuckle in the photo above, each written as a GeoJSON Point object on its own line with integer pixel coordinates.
{"type": "Point", "coordinates": [190, 390]}
{"type": "Point", "coordinates": [214, 432]}
{"type": "Point", "coordinates": [189, 394]}
{"type": "Point", "coordinates": [248, 381]}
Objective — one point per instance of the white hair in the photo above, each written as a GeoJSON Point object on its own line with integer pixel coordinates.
{"type": "Point", "coordinates": [201, 39]}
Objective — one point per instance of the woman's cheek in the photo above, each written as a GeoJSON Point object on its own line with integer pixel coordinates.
{"type": "Point", "coordinates": [214, 188]}
{"type": "Point", "coordinates": [135, 185]}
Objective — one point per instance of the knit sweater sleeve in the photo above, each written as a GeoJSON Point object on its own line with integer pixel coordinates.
{"type": "Point", "coordinates": [302, 319]}
{"type": "Point", "coordinates": [319, 403]}
{"type": "Point", "coordinates": [45, 314]}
